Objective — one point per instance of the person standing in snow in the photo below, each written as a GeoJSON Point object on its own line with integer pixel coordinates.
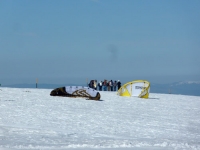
{"type": "Point", "coordinates": [114, 86]}
{"type": "Point", "coordinates": [91, 84]}
{"type": "Point", "coordinates": [100, 85]}
{"type": "Point", "coordinates": [118, 84]}
{"type": "Point", "coordinates": [111, 85]}
{"type": "Point", "coordinates": [105, 85]}
{"type": "Point", "coordinates": [108, 85]}
{"type": "Point", "coordinates": [95, 84]}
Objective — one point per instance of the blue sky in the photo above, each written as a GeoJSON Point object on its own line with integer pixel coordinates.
{"type": "Point", "coordinates": [69, 41]}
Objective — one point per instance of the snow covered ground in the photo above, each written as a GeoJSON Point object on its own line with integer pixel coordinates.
{"type": "Point", "coordinates": [32, 119]}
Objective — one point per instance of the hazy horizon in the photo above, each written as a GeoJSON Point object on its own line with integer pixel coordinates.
{"type": "Point", "coordinates": [79, 80]}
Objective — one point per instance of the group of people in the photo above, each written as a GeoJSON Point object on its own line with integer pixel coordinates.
{"type": "Point", "coordinates": [105, 85]}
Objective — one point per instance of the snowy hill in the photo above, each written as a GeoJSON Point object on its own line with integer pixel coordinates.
{"type": "Point", "coordinates": [187, 87]}
{"type": "Point", "coordinates": [187, 82]}
{"type": "Point", "coordinates": [31, 119]}
{"type": "Point", "coordinates": [183, 88]}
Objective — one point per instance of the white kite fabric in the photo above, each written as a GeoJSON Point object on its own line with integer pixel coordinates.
{"type": "Point", "coordinates": [72, 89]}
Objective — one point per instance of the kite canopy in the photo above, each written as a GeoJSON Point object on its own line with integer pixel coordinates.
{"type": "Point", "coordinates": [76, 91]}
{"type": "Point", "coordinates": [138, 88]}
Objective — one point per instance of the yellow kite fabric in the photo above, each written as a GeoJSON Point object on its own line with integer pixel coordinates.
{"type": "Point", "coordinates": [138, 88]}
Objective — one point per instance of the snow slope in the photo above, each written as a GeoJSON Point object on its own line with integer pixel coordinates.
{"type": "Point", "coordinates": [32, 119]}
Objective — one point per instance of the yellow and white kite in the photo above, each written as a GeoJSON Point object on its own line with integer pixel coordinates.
{"type": "Point", "coordinates": [138, 88]}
